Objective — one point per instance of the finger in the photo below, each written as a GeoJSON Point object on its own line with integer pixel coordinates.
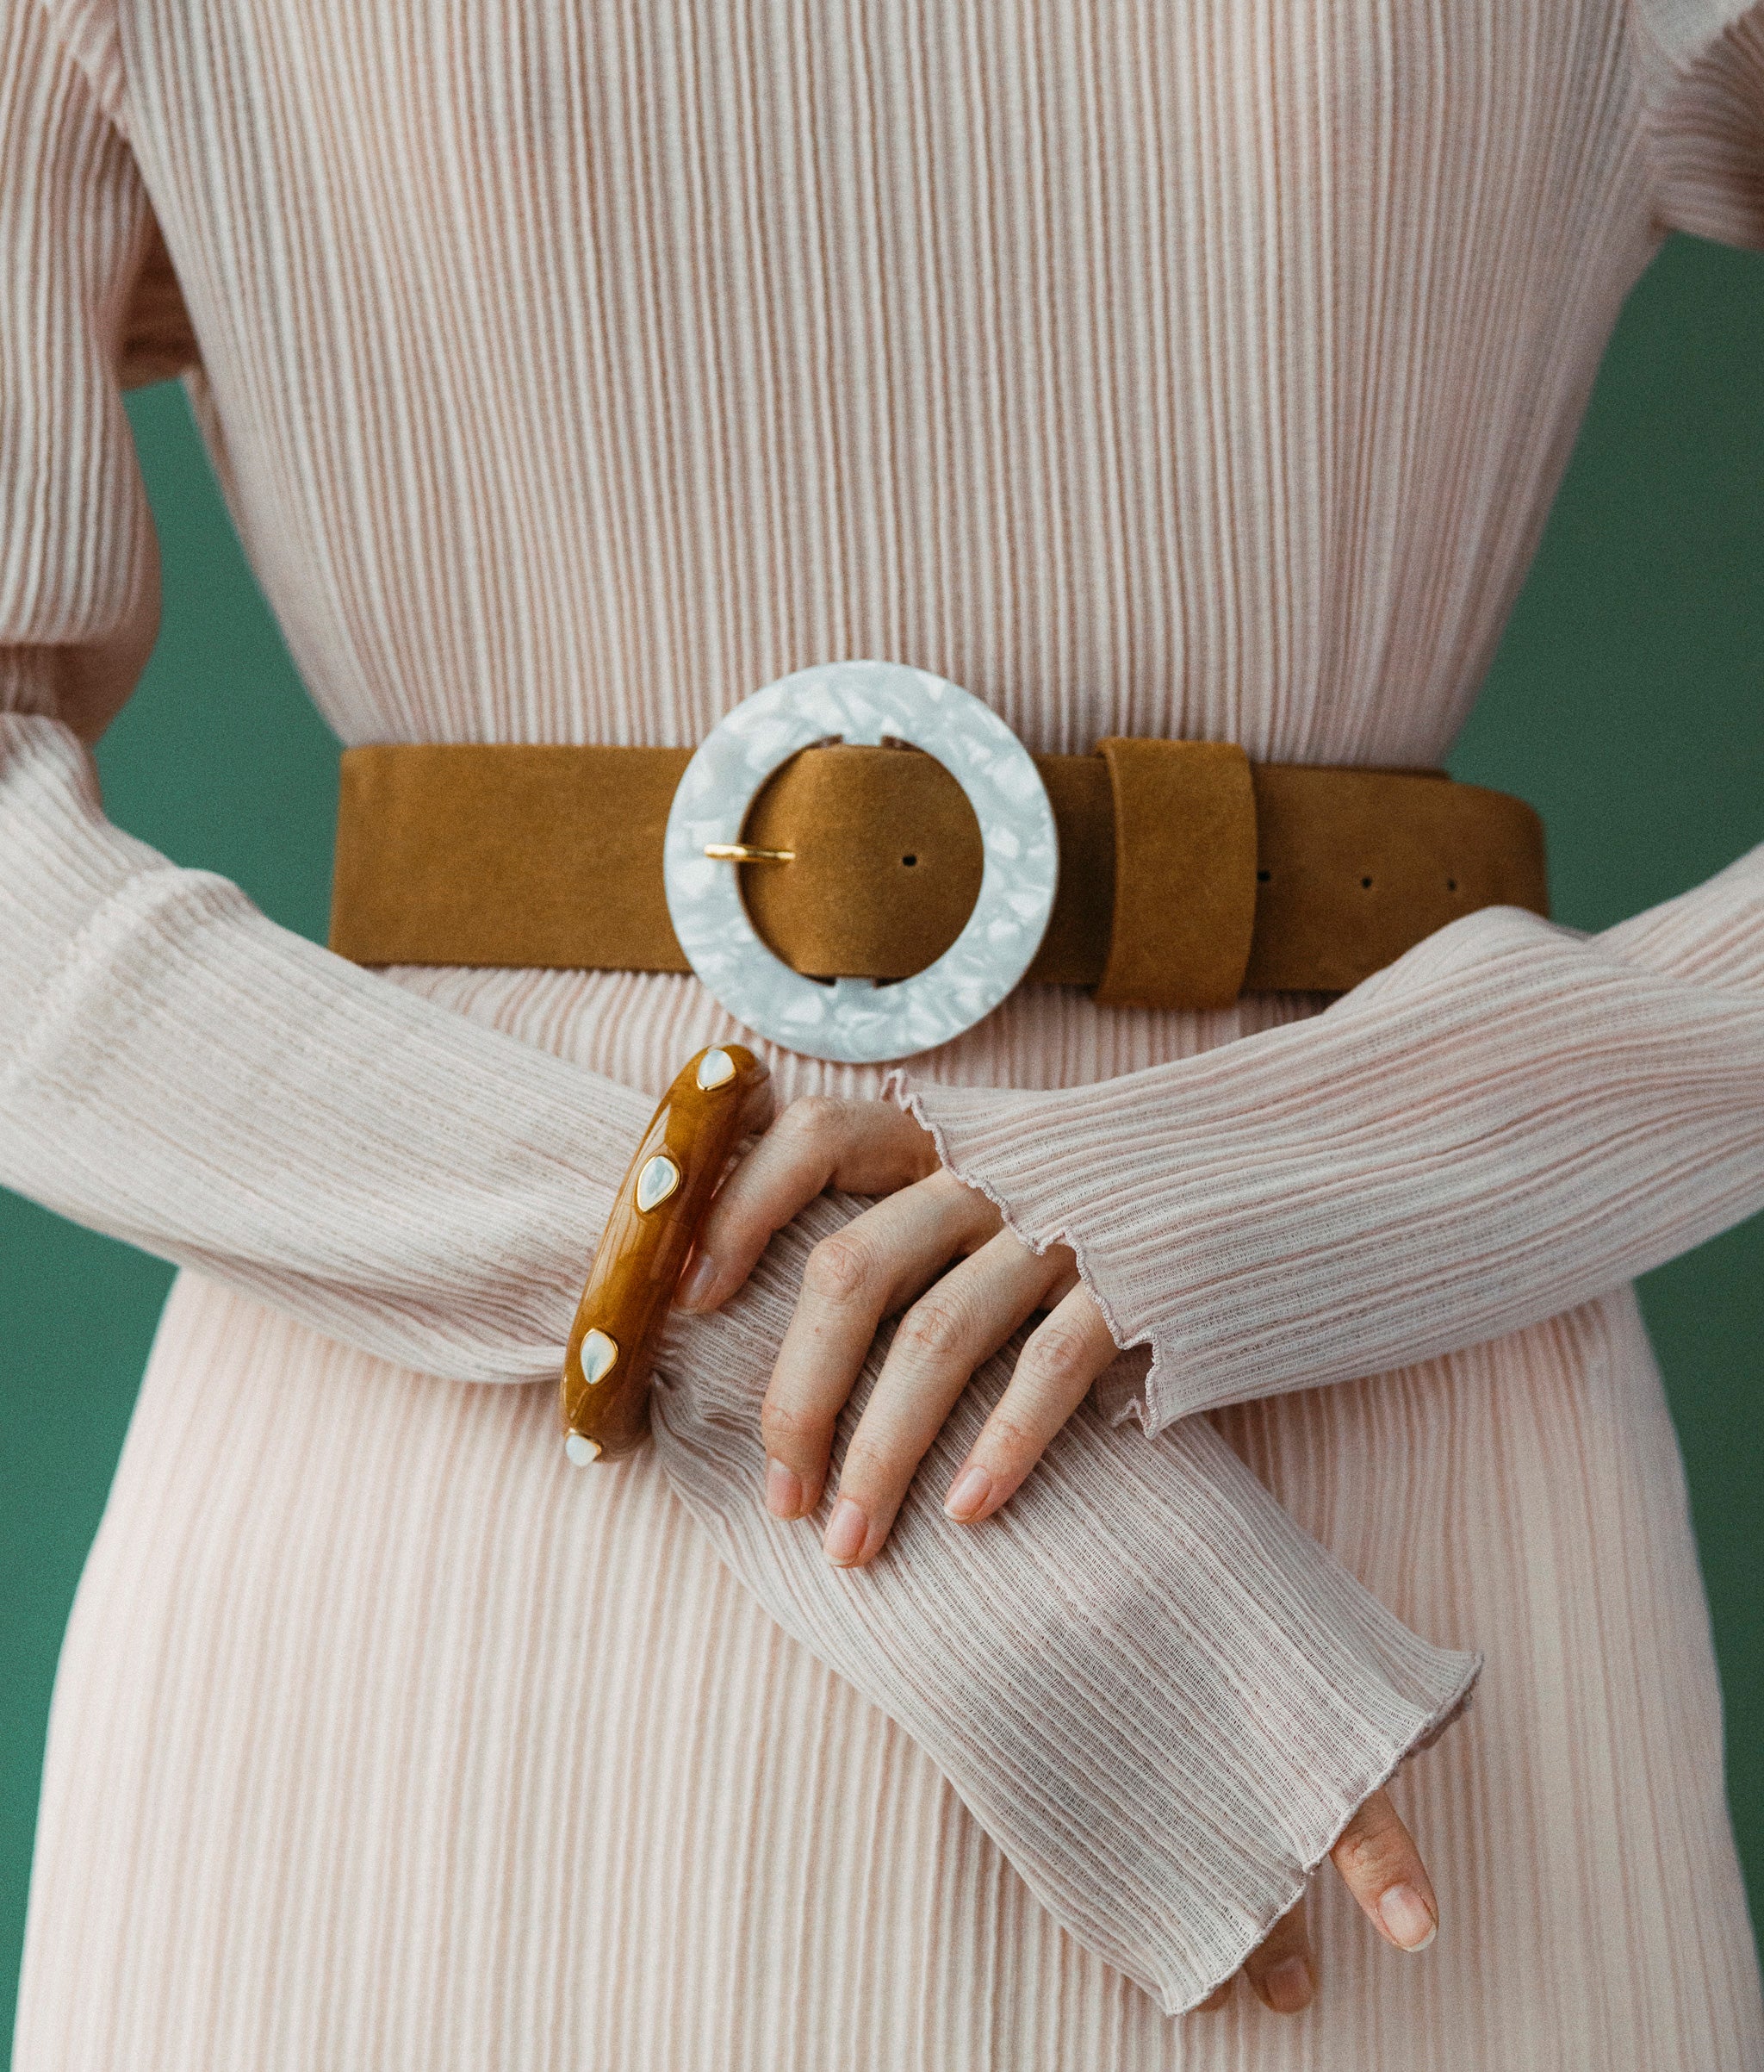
{"type": "Point", "coordinates": [867, 1147]}
{"type": "Point", "coordinates": [1060, 1361]}
{"type": "Point", "coordinates": [851, 1281]}
{"type": "Point", "coordinates": [967, 1314]}
{"type": "Point", "coordinates": [1381, 1866]}
{"type": "Point", "coordinates": [1281, 1968]}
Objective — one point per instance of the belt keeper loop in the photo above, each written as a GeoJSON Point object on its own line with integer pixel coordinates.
{"type": "Point", "coordinates": [1184, 872]}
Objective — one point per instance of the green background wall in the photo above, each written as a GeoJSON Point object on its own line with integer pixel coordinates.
{"type": "Point", "coordinates": [1625, 703]}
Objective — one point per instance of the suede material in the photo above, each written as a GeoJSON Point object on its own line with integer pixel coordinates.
{"type": "Point", "coordinates": [521, 855]}
{"type": "Point", "coordinates": [1354, 867]}
{"type": "Point", "coordinates": [1184, 872]}
{"type": "Point", "coordinates": [551, 857]}
{"type": "Point", "coordinates": [888, 863]}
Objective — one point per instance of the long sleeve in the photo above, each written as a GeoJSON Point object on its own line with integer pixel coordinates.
{"type": "Point", "coordinates": [1160, 1698]}
{"type": "Point", "coordinates": [1509, 1120]}
{"type": "Point", "coordinates": [174, 1069]}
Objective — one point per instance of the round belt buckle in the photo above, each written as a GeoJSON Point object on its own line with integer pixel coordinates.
{"type": "Point", "coordinates": [861, 1021]}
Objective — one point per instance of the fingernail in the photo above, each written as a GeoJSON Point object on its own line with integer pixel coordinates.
{"type": "Point", "coordinates": [968, 1493]}
{"type": "Point", "coordinates": [844, 1532]}
{"type": "Point", "coordinates": [700, 1276]}
{"type": "Point", "coordinates": [1288, 1986]}
{"type": "Point", "coordinates": [784, 1490]}
{"type": "Point", "coordinates": [1404, 1913]}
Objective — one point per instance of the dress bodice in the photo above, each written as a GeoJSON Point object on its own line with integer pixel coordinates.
{"type": "Point", "coordinates": [1147, 369]}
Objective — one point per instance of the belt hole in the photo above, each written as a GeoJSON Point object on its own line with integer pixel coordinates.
{"type": "Point", "coordinates": [1451, 884]}
{"type": "Point", "coordinates": [1263, 876]}
{"type": "Point", "coordinates": [1365, 885]}
{"type": "Point", "coordinates": [909, 861]}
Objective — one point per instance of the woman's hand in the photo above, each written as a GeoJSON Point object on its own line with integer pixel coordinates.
{"type": "Point", "coordinates": [898, 1255]}
{"type": "Point", "coordinates": [883, 1261]}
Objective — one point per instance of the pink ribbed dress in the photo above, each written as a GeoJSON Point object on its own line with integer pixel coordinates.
{"type": "Point", "coordinates": [572, 370]}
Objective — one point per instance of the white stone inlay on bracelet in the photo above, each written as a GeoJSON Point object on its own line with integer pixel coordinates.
{"type": "Point", "coordinates": [656, 1182]}
{"type": "Point", "coordinates": [598, 1355]}
{"type": "Point", "coordinates": [716, 1068]}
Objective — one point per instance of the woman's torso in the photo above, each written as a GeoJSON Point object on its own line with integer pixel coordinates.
{"type": "Point", "coordinates": [1200, 371]}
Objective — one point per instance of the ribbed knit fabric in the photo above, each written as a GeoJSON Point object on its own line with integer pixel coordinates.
{"type": "Point", "coordinates": [1288, 1210]}
{"type": "Point", "coordinates": [571, 373]}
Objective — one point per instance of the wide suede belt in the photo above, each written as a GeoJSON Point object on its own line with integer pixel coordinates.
{"type": "Point", "coordinates": [1187, 873]}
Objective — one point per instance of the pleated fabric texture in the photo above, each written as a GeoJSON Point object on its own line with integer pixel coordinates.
{"type": "Point", "coordinates": [1284, 1212]}
{"type": "Point", "coordinates": [569, 374]}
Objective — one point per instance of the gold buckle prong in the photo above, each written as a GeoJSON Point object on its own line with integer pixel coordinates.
{"type": "Point", "coordinates": [742, 852]}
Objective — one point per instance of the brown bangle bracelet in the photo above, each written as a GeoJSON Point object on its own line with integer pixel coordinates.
{"type": "Point", "coordinates": [720, 1096]}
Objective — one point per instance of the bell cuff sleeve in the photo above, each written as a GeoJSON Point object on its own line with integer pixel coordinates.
{"type": "Point", "coordinates": [1161, 1698]}
{"type": "Point", "coordinates": [1508, 1121]}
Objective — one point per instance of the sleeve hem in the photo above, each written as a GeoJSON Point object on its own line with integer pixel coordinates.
{"type": "Point", "coordinates": [1451, 1708]}
{"type": "Point", "coordinates": [1129, 1389]}
{"type": "Point", "coordinates": [896, 1088]}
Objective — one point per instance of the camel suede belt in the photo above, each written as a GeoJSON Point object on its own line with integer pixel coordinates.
{"type": "Point", "coordinates": [1186, 874]}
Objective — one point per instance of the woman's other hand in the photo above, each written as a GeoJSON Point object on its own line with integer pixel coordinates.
{"type": "Point", "coordinates": [1382, 1867]}
{"type": "Point", "coordinates": [938, 1250]}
